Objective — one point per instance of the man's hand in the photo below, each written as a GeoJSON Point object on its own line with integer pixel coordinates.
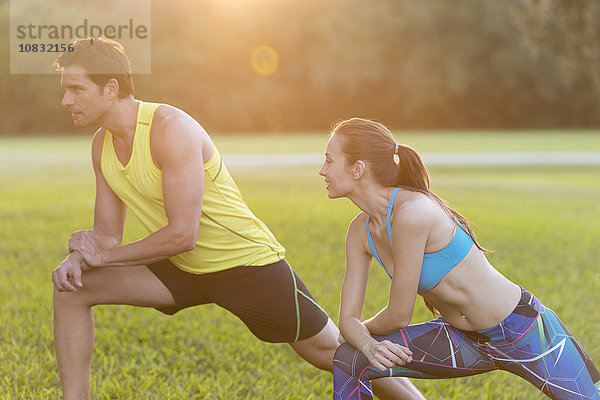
{"type": "Point", "coordinates": [67, 276]}
{"type": "Point", "coordinates": [89, 244]}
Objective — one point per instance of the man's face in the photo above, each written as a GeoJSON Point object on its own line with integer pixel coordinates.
{"type": "Point", "coordinates": [87, 102]}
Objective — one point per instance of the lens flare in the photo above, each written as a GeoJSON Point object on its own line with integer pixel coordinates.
{"type": "Point", "coordinates": [264, 60]}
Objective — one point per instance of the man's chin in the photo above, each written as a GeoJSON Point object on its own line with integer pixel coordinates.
{"type": "Point", "coordinates": [77, 123]}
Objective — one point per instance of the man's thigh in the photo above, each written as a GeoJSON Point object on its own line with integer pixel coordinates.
{"type": "Point", "coordinates": [271, 300]}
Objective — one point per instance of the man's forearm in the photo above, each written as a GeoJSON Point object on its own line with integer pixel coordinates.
{"type": "Point", "coordinates": [106, 240]}
{"type": "Point", "coordinates": [158, 246]}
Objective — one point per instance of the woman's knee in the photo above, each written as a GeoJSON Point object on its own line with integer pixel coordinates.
{"type": "Point", "coordinates": [345, 353]}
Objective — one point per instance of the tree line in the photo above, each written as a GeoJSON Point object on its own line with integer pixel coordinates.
{"type": "Point", "coordinates": [414, 64]}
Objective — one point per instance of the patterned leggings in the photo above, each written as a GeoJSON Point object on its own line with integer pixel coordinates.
{"type": "Point", "coordinates": [531, 343]}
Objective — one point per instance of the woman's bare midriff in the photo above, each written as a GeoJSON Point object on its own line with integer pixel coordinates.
{"type": "Point", "coordinates": [474, 296]}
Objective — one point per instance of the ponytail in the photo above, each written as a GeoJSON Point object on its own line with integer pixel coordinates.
{"type": "Point", "coordinates": [413, 176]}
{"type": "Point", "coordinates": [411, 170]}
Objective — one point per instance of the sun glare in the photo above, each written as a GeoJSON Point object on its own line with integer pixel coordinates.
{"type": "Point", "coordinates": [264, 60]}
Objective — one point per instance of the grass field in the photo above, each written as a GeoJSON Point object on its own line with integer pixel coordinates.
{"type": "Point", "coordinates": [310, 142]}
{"type": "Point", "coordinates": [541, 221]}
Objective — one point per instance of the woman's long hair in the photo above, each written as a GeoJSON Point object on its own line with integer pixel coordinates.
{"type": "Point", "coordinates": [373, 143]}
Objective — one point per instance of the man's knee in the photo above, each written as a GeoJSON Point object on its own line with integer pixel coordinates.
{"type": "Point", "coordinates": [76, 298]}
{"type": "Point", "coordinates": [326, 345]}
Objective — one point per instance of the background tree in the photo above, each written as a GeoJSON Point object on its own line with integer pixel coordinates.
{"type": "Point", "coordinates": [411, 63]}
{"type": "Point", "coordinates": [568, 31]}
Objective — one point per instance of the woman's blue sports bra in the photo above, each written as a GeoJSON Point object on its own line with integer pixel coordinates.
{"type": "Point", "coordinates": [435, 265]}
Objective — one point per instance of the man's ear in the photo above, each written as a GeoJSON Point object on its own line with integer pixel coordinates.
{"type": "Point", "coordinates": [112, 88]}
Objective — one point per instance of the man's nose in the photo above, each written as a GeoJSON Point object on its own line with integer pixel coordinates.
{"type": "Point", "coordinates": [67, 100]}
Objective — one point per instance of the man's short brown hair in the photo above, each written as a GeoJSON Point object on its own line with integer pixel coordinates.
{"type": "Point", "coordinates": [103, 59]}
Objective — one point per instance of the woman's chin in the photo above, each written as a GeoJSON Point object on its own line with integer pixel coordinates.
{"type": "Point", "coordinates": [331, 194]}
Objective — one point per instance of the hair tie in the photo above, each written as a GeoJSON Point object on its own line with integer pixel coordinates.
{"type": "Point", "coordinates": [396, 149]}
{"type": "Point", "coordinates": [396, 155]}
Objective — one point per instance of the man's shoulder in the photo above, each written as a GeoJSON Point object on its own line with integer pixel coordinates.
{"type": "Point", "coordinates": [166, 114]}
{"type": "Point", "coordinates": [168, 120]}
{"type": "Point", "coordinates": [99, 134]}
{"type": "Point", "coordinates": [173, 128]}
{"type": "Point", "coordinates": [98, 143]}
{"type": "Point", "coordinates": [98, 137]}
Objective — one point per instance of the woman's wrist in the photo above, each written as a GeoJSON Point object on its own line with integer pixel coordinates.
{"type": "Point", "coordinates": [367, 347]}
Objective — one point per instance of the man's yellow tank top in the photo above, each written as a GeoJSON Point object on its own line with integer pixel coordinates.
{"type": "Point", "coordinates": [229, 234]}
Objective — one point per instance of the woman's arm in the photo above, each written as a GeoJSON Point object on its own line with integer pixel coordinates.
{"type": "Point", "coordinates": [354, 287]}
{"type": "Point", "coordinates": [381, 354]}
{"type": "Point", "coordinates": [410, 230]}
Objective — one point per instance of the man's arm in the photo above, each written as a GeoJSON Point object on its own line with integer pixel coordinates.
{"type": "Point", "coordinates": [109, 218]}
{"type": "Point", "coordinates": [177, 142]}
{"type": "Point", "coordinates": [109, 210]}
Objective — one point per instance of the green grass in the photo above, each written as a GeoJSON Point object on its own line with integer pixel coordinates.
{"type": "Point", "coordinates": [566, 140]}
{"type": "Point", "coordinates": [542, 222]}
{"type": "Point", "coordinates": [315, 142]}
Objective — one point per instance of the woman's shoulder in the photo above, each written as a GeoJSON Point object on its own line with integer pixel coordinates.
{"type": "Point", "coordinates": [417, 208]}
{"type": "Point", "coordinates": [356, 236]}
{"type": "Point", "coordinates": [358, 225]}
{"type": "Point", "coordinates": [359, 220]}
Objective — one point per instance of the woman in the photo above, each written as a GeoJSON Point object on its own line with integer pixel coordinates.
{"type": "Point", "coordinates": [486, 322]}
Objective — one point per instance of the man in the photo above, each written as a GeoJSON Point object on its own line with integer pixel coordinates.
{"type": "Point", "coordinates": [204, 244]}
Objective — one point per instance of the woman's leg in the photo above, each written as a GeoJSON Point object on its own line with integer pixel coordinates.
{"type": "Point", "coordinates": [439, 351]}
{"type": "Point", "coordinates": [531, 342]}
{"type": "Point", "coordinates": [74, 322]}
{"type": "Point", "coordinates": [549, 357]}
{"type": "Point", "coordinates": [319, 349]}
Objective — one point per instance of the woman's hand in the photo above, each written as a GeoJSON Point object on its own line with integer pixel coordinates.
{"type": "Point", "coordinates": [386, 354]}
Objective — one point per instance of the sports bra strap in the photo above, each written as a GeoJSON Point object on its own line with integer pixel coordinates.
{"type": "Point", "coordinates": [388, 223]}
{"type": "Point", "coordinates": [374, 249]}
{"type": "Point", "coordinates": [435, 265]}
{"type": "Point", "coordinates": [388, 220]}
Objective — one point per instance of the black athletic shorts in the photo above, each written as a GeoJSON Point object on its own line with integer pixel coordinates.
{"type": "Point", "coordinates": [271, 300]}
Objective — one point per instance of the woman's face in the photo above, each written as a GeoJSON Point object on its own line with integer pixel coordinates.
{"type": "Point", "coordinates": [337, 174]}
